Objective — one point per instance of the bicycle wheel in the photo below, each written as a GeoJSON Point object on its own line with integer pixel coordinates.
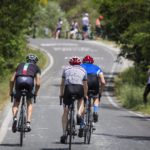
{"type": "Point", "coordinates": [88, 125]}
{"type": "Point", "coordinates": [22, 125]}
{"type": "Point", "coordinates": [71, 129]}
{"type": "Point", "coordinates": [89, 129]}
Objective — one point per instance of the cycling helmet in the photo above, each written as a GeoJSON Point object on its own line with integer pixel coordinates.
{"type": "Point", "coordinates": [75, 60]}
{"type": "Point", "coordinates": [88, 59]}
{"type": "Point", "coordinates": [32, 58]}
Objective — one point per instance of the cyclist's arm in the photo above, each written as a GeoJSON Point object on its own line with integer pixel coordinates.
{"type": "Point", "coordinates": [62, 85]}
{"type": "Point", "coordinates": [102, 82]}
{"type": "Point", "coordinates": [37, 83]}
{"type": "Point", "coordinates": [11, 83]}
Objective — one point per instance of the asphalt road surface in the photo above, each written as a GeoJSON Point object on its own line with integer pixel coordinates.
{"type": "Point", "coordinates": [117, 129]}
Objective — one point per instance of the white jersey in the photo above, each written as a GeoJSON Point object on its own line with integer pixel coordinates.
{"type": "Point", "coordinates": [85, 21]}
{"type": "Point", "coordinates": [74, 75]}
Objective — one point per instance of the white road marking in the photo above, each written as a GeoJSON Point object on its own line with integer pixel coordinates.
{"type": "Point", "coordinates": [58, 44]}
{"type": "Point", "coordinates": [5, 124]}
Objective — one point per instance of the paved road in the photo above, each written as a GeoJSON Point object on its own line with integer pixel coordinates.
{"type": "Point", "coordinates": [117, 129]}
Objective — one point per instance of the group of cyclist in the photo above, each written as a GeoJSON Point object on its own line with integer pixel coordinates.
{"type": "Point", "coordinates": [77, 78]}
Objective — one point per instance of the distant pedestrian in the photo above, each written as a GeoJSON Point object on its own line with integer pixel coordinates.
{"type": "Point", "coordinates": [85, 25]}
{"type": "Point", "coordinates": [58, 28]}
{"type": "Point", "coordinates": [147, 88]}
{"type": "Point", "coordinates": [98, 26]}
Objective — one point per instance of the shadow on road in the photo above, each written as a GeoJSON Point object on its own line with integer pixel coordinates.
{"type": "Point", "coordinates": [10, 145]}
{"type": "Point", "coordinates": [55, 149]}
{"type": "Point", "coordinates": [143, 118]}
{"type": "Point", "coordinates": [136, 138]}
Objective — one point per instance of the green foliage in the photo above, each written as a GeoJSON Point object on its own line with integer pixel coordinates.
{"type": "Point", "coordinates": [129, 87]}
{"type": "Point", "coordinates": [127, 22]}
{"type": "Point", "coordinates": [46, 18]}
{"type": "Point", "coordinates": [15, 19]}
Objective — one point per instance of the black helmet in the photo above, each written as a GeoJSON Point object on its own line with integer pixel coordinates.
{"type": "Point", "coordinates": [32, 58]}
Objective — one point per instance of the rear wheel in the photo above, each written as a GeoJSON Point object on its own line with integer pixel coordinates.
{"type": "Point", "coordinates": [22, 126]}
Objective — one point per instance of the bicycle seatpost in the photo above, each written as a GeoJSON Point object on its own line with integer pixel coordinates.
{"type": "Point", "coordinates": [34, 98]}
{"type": "Point", "coordinates": [12, 97]}
{"type": "Point", "coordinates": [61, 99]}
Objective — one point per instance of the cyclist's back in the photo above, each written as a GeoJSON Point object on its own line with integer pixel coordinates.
{"type": "Point", "coordinates": [93, 72]}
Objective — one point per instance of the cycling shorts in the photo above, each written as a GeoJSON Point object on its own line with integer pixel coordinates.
{"type": "Point", "coordinates": [74, 89]}
{"type": "Point", "coordinates": [93, 85]}
{"type": "Point", "coordinates": [24, 82]}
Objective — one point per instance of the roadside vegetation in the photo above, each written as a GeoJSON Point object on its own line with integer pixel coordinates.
{"type": "Point", "coordinates": [129, 88]}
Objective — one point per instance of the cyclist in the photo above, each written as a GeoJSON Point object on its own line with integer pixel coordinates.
{"type": "Point", "coordinates": [74, 81]}
{"type": "Point", "coordinates": [26, 76]}
{"type": "Point", "coordinates": [96, 82]}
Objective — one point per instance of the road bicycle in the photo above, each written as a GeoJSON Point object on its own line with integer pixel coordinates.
{"type": "Point", "coordinates": [21, 125]}
{"type": "Point", "coordinates": [70, 129]}
{"type": "Point", "coordinates": [88, 118]}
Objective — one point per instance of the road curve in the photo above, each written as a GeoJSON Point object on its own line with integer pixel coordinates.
{"type": "Point", "coordinates": [117, 129]}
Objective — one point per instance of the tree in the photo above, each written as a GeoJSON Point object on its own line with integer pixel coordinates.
{"type": "Point", "coordinates": [15, 20]}
{"type": "Point", "coordinates": [128, 24]}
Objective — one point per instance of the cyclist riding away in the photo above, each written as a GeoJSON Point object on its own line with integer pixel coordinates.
{"type": "Point", "coordinates": [74, 81]}
{"type": "Point", "coordinates": [26, 76]}
{"type": "Point", "coordinates": [96, 82]}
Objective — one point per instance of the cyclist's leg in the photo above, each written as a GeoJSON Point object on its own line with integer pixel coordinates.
{"type": "Point", "coordinates": [14, 112]}
{"type": "Point", "coordinates": [64, 123]}
{"type": "Point", "coordinates": [80, 117]}
{"type": "Point", "coordinates": [95, 109]}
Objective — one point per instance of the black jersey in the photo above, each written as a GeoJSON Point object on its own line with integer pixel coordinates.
{"type": "Point", "coordinates": [27, 69]}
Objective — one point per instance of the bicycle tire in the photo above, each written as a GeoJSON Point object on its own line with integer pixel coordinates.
{"type": "Point", "coordinates": [88, 125]}
{"type": "Point", "coordinates": [71, 129]}
{"type": "Point", "coordinates": [22, 127]}
{"type": "Point", "coordinates": [22, 124]}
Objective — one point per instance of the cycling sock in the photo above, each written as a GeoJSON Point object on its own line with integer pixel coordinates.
{"type": "Point", "coordinates": [95, 108]}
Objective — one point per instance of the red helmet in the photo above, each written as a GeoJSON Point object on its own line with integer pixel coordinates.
{"type": "Point", "coordinates": [88, 59]}
{"type": "Point", "coordinates": [75, 60]}
{"type": "Point", "coordinates": [101, 17]}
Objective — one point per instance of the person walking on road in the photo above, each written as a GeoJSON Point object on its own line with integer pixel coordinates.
{"type": "Point", "coordinates": [85, 25]}
{"type": "Point", "coordinates": [147, 89]}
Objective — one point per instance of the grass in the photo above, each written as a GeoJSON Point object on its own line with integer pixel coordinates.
{"type": "Point", "coordinates": [130, 93]}
{"type": "Point", "coordinates": [4, 87]}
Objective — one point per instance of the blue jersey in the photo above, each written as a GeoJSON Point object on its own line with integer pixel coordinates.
{"type": "Point", "coordinates": [91, 68]}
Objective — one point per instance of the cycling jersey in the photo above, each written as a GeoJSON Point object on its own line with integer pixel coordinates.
{"type": "Point", "coordinates": [27, 69]}
{"type": "Point", "coordinates": [91, 68]}
{"type": "Point", "coordinates": [74, 75]}
{"type": "Point", "coordinates": [93, 72]}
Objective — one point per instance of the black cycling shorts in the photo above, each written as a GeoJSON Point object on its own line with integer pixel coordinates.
{"type": "Point", "coordinates": [24, 82]}
{"type": "Point", "coordinates": [70, 90]}
{"type": "Point", "coordinates": [93, 84]}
